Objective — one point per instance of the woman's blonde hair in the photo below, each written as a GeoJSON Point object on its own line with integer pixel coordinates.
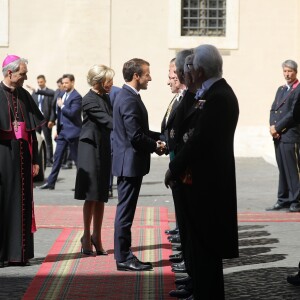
{"type": "Point", "coordinates": [99, 73]}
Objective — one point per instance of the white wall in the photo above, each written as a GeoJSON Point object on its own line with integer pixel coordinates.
{"type": "Point", "coordinates": [61, 36]}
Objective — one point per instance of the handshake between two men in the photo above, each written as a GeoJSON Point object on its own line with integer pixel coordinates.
{"type": "Point", "coordinates": [161, 147]}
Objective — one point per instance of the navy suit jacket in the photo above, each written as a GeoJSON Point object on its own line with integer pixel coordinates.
{"type": "Point", "coordinates": [113, 94]}
{"type": "Point", "coordinates": [133, 141]}
{"type": "Point", "coordinates": [69, 119]}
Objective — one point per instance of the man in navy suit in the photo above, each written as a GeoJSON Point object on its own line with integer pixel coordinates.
{"type": "Point", "coordinates": [133, 143]}
{"type": "Point", "coordinates": [68, 127]}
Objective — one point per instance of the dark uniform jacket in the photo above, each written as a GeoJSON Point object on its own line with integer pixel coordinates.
{"type": "Point", "coordinates": [208, 152]}
{"type": "Point", "coordinates": [281, 114]}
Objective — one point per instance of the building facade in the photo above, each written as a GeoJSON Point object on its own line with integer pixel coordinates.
{"type": "Point", "coordinates": [69, 36]}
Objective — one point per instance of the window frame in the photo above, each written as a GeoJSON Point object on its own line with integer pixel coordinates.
{"type": "Point", "coordinates": [177, 41]}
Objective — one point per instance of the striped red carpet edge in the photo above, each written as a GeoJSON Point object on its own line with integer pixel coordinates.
{"type": "Point", "coordinates": [66, 274]}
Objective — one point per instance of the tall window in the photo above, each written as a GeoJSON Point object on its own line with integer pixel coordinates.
{"type": "Point", "coordinates": [203, 18]}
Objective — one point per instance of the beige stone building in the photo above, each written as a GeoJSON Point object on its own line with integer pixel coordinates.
{"type": "Point", "coordinates": [254, 36]}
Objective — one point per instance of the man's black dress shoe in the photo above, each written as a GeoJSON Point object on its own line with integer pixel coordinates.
{"type": "Point", "coordinates": [147, 263]}
{"type": "Point", "coordinates": [172, 231]}
{"type": "Point", "coordinates": [278, 206]}
{"type": "Point", "coordinates": [183, 280]}
{"type": "Point", "coordinates": [179, 269]}
{"type": "Point", "coordinates": [46, 186]}
{"type": "Point", "coordinates": [293, 279]}
{"type": "Point", "coordinates": [183, 293]}
{"type": "Point", "coordinates": [176, 255]}
{"type": "Point", "coordinates": [174, 238]}
{"type": "Point", "coordinates": [133, 264]}
{"type": "Point", "coordinates": [180, 264]}
{"type": "Point", "coordinates": [176, 258]}
{"type": "Point", "coordinates": [173, 235]}
{"type": "Point", "coordinates": [178, 248]}
{"type": "Point", "coordinates": [295, 207]}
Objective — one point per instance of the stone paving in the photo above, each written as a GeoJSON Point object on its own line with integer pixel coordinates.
{"type": "Point", "coordinates": [268, 250]}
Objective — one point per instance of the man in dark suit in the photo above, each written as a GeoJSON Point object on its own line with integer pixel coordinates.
{"type": "Point", "coordinates": [45, 103]}
{"type": "Point", "coordinates": [286, 135]}
{"type": "Point", "coordinates": [177, 88]}
{"type": "Point", "coordinates": [68, 127]}
{"type": "Point", "coordinates": [133, 143]}
{"type": "Point", "coordinates": [207, 159]}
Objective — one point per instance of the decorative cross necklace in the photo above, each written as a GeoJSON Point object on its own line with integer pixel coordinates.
{"type": "Point", "coordinates": [14, 109]}
{"type": "Point", "coordinates": [16, 124]}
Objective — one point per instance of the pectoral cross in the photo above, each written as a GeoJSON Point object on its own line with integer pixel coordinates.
{"type": "Point", "coordinates": [16, 125]}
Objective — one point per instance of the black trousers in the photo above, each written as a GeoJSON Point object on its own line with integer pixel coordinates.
{"type": "Point", "coordinates": [287, 157]}
{"type": "Point", "coordinates": [206, 272]}
{"type": "Point", "coordinates": [181, 196]}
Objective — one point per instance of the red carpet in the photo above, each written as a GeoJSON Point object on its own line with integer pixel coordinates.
{"type": "Point", "coordinates": [71, 216]}
{"type": "Point", "coordinates": [245, 217]}
{"type": "Point", "coordinates": [66, 274]}
{"type": "Point", "coordinates": [282, 216]}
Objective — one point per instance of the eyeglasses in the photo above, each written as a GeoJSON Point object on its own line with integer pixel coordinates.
{"type": "Point", "coordinates": [189, 66]}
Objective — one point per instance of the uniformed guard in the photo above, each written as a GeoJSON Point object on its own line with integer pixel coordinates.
{"type": "Point", "coordinates": [286, 136]}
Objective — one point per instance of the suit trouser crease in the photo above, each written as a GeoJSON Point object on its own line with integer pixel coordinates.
{"type": "Point", "coordinates": [128, 192]}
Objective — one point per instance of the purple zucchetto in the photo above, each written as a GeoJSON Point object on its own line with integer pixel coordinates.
{"type": "Point", "coordinates": [9, 59]}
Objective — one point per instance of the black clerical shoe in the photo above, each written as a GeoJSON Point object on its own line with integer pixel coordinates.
{"type": "Point", "coordinates": [133, 264]}
{"type": "Point", "coordinates": [293, 279]}
{"type": "Point", "coordinates": [278, 206]}
{"type": "Point", "coordinates": [46, 186]}
{"type": "Point", "coordinates": [183, 280]}
{"type": "Point", "coordinates": [18, 263]}
{"type": "Point", "coordinates": [176, 258]}
{"type": "Point", "coordinates": [172, 231]}
{"type": "Point", "coordinates": [295, 207]}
